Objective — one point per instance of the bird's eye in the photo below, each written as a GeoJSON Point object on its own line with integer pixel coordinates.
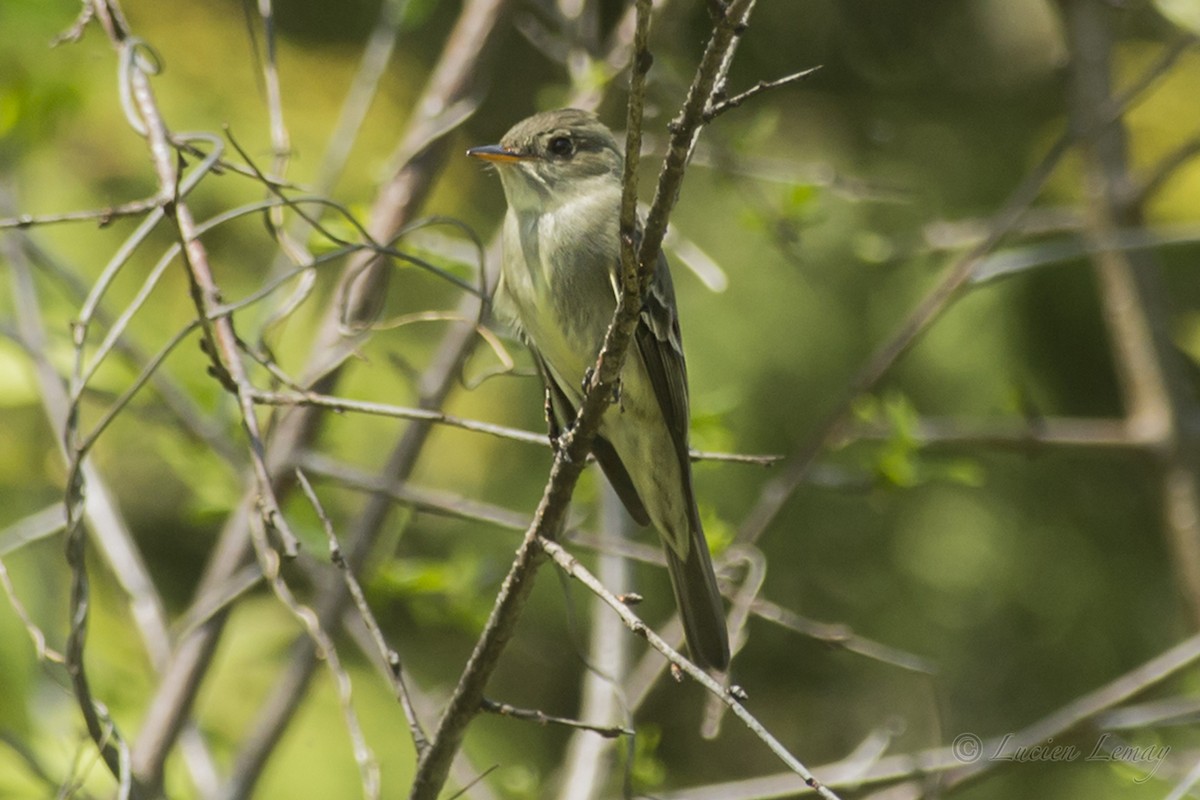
{"type": "Point", "coordinates": [561, 146]}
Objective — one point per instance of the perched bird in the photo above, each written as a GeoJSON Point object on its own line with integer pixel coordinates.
{"type": "Point", "coordinates": [561, 173]}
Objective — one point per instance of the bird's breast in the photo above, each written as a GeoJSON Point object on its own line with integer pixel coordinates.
{"type": "Point", "coordinates": [557, 275]}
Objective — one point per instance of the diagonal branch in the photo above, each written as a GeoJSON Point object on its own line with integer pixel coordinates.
{"type": "Point", "coordinates": [731, 697]}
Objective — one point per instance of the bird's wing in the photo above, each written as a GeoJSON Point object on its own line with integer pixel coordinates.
{"type": "Point", "coordinates": [660, 345]}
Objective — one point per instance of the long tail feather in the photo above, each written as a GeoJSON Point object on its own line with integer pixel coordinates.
{"type": "Point", "coordinates": [700, 605]}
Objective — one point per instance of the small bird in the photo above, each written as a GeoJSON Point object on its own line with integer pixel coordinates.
{"type": "Point", "coordinates": [561, 173]}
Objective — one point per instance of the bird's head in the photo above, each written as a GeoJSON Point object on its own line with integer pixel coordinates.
{"type": "Point", "coordinates": [553, 157]}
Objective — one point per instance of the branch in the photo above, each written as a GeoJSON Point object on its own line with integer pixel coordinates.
{"type": "Point", "coordinates": [720, 107]}
{"type": "Point", "coordinates": [102, 216]}
{"type": "Point", "coordinates": [731, 697]}
{"type": "Point", "coordinates": [314, 399]}
{"type": "Point", "coordinates": [1023, 435]}
{"type": "Point", "coordinates": [542, 718]}
{"type": "Point", "coordinates": [841, 637]}
{"type": "Point", "coordinates": [390, 657]}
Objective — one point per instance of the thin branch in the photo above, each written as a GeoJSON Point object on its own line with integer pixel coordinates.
{"type": "Point", "coordinates": [841, 637]}
{"type": "Point", "coordinates": [386, 652]}
{"type": "Point", "coordinates": [1023, 435]}
{"type": "Point", "coordinates": [741, 605]}
{"type": "Point", "coordinates": [1166, 168]}
{"type": "Point", "coordinates": [731, 697]}
{"type": "Point", "coordinates": [199, 423]}
{"type": "Point", "coordinates": [41, 651]}
{"type": "Point", "coordinates": [425, 415]}
{"type": "Point", "coordinates": [418, 498]}
{"type": "Point", "coordinates": [721, 106]}
{"type": "Point", "coordinates": [280, 140]}
{"type": "Point", "coordinates": [102, 216]}
{"type": "Point", "coordinates": [1086, 707]}
{"type": "Point", "coordinates": [32, 528]}
{"type": "Point", "coordinates": [399, 412]}
{"type": "Point", "coordinates": [369, 243]}
{"type": "Point", "coordinates": [1017, 260]}
{"type": "Point", "coordinates": [542, 718]}
{"type": "Point", "coordinates": [685, 128]}
{"type": "Point", "coordinates": [368, 766]}
{"type": "Point", "coordinates": [463, 772]}
{"type": "Point", "coordinates": [75, 32]}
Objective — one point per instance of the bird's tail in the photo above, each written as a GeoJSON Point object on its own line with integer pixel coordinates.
{"type": "Point", "coordinates": [699, 602]}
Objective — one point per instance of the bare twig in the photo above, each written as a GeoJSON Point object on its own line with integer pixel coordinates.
{"type": "Point", "coordinates": [280, 140]}
{"type": "Point", "coordinates": [383, 409]}
{"type": "Point", "coordinates": [1030, 435]}
{"type": "Point", "coordinates": [842, 637]}
{"type": "Point", "coordinates": [719, 107]}
{"type": "Point", "coordinates": [685, 128]}
{"type": "Point", "coordinates": [730, 696]}
{"type": "Point", "coordinates": [36, 635]}
{"type": "Point", "coordinates": [295, 398]}
{"type": "Point", "coordinates": [386, 652]}
{"type": "Point", "coordinates": [1086, 707]}
{"type": "Point", "coordinates": [430, 501]}
{"type": "Point", "coordinates": [542, 718]}
{"type": "Point", "coordinates": [75, 32]}
{"type": "Point", "coordinates": [102, 216]}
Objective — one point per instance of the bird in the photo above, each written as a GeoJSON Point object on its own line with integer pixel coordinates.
{"type": "Point", "coordinates": [561, 172]}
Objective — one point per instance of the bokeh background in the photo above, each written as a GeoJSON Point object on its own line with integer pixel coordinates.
{"type": "Point", "coordinates": [1026, 575]}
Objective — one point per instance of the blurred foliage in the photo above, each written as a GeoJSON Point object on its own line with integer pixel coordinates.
{"type": "Point", "coordinates": [1028, 576]}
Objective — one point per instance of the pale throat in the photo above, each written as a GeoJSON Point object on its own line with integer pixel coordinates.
{"type": "Point", "coordinates": [585, 208]}
{"type": "Point", "coordinates": [568, 198]}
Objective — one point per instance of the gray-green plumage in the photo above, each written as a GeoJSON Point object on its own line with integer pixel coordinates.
{"type": "Point", "coordinates": [561, 172]}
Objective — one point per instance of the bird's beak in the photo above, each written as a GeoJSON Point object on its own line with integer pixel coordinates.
{"type": "Point", "coordinates": [495, 153]}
